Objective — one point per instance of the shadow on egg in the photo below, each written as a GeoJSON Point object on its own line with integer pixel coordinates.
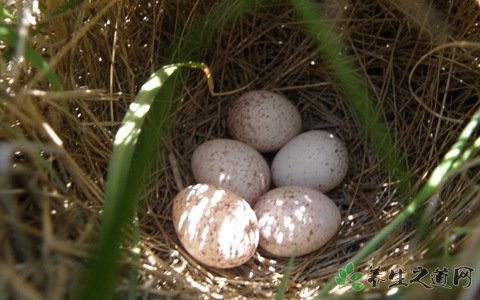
{"type": "Point", "coordinates": [215, 226]}
{"type": "Point", "coordinates": [295, 221]}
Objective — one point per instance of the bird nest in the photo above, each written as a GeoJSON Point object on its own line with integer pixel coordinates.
{"type": "Point", "coordinates": [56, 145]}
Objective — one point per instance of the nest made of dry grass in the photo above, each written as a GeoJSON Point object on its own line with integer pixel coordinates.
{"type": "Point", "coordinates": [425, 85]}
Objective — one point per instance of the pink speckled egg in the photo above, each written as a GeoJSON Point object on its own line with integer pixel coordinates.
{"type": "Point", "coordinates": [263, 120]}
{"type": "Point", "coordinates": [232, 165]}
{"type": "Point", "coordinates": [295, 221]}
{"type": "Point", "coordinates": [315, 159]}
{"type": "Point", "coordinates": [216, 226]}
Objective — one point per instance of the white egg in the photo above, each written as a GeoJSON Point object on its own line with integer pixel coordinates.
{"type": "Point", "coordinates": [315, 159]}
{"type": "Point", "coordinates": [295, 220]}
{"type": "Point", "coordinates": [232, 165]}
{"type": "Point", "coordinates": [263, 120]}
{"type": "Point", "coordinates": [216, 226]}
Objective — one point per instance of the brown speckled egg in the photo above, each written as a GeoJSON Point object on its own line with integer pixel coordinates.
{"type": "Point", "coordinates": [216, 226]}
{"type": "Point", "coordinates": [263, 120]}
{"type": "Point", "coordinates": [295, 220]}
{"type": "Point", "coordinates": [232, 165]}
{"type": "Point", "coordinates": [315, 159]}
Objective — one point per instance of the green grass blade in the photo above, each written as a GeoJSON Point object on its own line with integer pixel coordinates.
{"type": "Point", "coordinates": [10, 37]}
{"type": "Point", "coordinates": [67, 6]}
{"type": "Point", "coordinates": [221, 14]}
{"type": "Point", "coordinates": [121, 194]}
{"type": "Point", "coordinates": [38, 62]}
{"type": "Point", "coordinates": [282, 289]}
{"type": "Point", "coordinates": [3, 290]}
{"type": "Point", "coordinates": [452, 161]}
{"type": "Point", "coordinates": [356, 94]}
{"type": "Point", "coordinates": [136, 250]}
{"type": "Point", "coordinates": [100, 275]}
{"type": "Point", "coordinates": [354, 90]}
{"type": "Point", "coordinates": [4, 13]}
{"type": "Point", "coordinates": [133, 152]}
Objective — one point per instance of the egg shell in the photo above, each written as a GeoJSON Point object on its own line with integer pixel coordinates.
{"type": "Point", "coordinates": [264, 120]}
{"type": "Point", "coordinates": [232, 165]}
{"type": "Point", "coordinates": [295, 221]}
{"type": "Point", "coordinates": [315, 159]}
{"type": "Point", "coordinates": [216, 226]}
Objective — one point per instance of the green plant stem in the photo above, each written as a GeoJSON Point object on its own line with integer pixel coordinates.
{"type": "Point", "coordinates": [67, 6]}
{"type": "Point", "coordinates": [282, 289]}
{"type": "Point", "coordinates": [11, 38]}
{"type": "Point", "coordinates": [354, 90]}
{"type": "Point", "coordinates": [4, 13]}
{"type": "Point", "coordinates": [133, 287]}
{"type": "Point", "coordinates": [133, 152]}
{"type": "Point", "coordinates": [452, 161]}
{"type": "Point", "coordinates": [356, 94]}
{"type": "Point", "coordinates": [137, 140]}
{"type": "Point", "coordinates": [221, 14]}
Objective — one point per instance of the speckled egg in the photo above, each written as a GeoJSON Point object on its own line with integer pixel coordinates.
{"type": "Point", "coordinates": [232, 165]}
{"type": "Point", "coordinates": [295, 220]}
{"type": "Point", "coordinates": [263, 120]}
{"type": "Point", "coordinates": [315, 159]}
{"type": "Point", "coordinates": [216, 226]}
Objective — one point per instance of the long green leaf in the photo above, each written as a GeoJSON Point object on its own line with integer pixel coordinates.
{"type": "Point", "coordinates": [136, 251]}
{"type": "Point", "coordinates": [220, 14]}
{"type": "Point", "coordinates": [4, 13]}
{"type": "Point", "coordinates": [453, 160]}
{"type": "Point", "coordinates": [133, 152]}
{"type": "Point", "coordinates": [355, 92]}
{"type": "Point", "coordinates": [282, 289]}
{"type": "Point", "coordinates": [120, 199]}
{"type": "Point", "coordinates": [10, 37]}
{"type": "Point", "coordinates": [67, 6]}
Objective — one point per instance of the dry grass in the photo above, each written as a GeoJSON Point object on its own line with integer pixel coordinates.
{"type": "Point", "coordinates": [423, 79]}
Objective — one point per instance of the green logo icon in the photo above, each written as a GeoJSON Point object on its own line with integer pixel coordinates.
{"type": "Point", "coordinates": [348, 277]}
